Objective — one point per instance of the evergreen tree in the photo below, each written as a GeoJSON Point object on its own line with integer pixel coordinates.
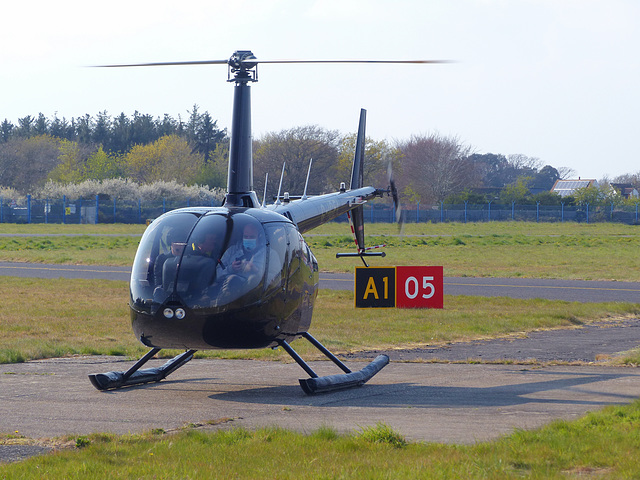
{"type": "Point", "coordinates": [6, 130]}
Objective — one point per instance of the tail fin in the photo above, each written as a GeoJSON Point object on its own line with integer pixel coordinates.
{"type": "Point", "coordinates": [357, 172]}
{"type": "Point", "coordinates": [356, 216]}
{"type": "Point", "coordinates": [357, 181]}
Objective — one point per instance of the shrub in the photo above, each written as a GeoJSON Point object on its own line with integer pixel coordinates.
{"type": "Point", "coordinates": [128, 190]}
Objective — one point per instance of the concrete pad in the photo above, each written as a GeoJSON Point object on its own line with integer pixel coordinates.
{"type": "Point", "coordinates": [452, 403]}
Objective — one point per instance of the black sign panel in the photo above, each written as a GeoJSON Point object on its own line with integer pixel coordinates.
{"type": "Point", "coordinates": [375, 287]}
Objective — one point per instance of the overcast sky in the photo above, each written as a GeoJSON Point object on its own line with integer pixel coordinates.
{"type": "Point", "coordinates": [553, 79]}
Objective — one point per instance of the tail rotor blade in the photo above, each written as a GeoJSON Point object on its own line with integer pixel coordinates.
{"type": "Point", "coordinates": [393, 191]}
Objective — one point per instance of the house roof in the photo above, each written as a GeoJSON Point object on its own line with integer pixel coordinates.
{"type": "Point", "coordinates": [567, 187]}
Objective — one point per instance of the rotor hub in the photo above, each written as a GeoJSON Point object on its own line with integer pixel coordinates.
{"type": "Point", "coordinates": [243, 67]}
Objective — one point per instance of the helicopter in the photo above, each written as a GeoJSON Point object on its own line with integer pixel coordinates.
{"type": "Point", "coordinates": [241, 276]}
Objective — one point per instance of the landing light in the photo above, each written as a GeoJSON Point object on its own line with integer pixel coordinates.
{"type": "Point", "coordinates": [180, 313]}
{"type": "Point", "coordinates": [168, 313]}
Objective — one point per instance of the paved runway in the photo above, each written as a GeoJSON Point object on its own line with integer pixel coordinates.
{"type": "Point", "coordinates": [570, 290]}
{"type": "Point", "coordinates": [452, 403]}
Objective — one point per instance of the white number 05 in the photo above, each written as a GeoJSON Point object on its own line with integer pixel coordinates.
{"type": "Point", "coordinates": [411, 289]}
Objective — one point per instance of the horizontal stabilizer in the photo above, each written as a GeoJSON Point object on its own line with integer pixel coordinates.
{"type": "Point", "coordinates": [363, 254]}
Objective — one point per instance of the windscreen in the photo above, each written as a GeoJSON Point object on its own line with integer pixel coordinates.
{"type": "Point", "coordinates": [166, 238]}
{"type": "Point", "coordinates": [225, 261]}
{"type": "Point", "coordinates": [213, 261]}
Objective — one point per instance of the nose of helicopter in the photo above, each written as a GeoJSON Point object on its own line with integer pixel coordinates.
{"type": "Point", "coordinates": [192, 271]}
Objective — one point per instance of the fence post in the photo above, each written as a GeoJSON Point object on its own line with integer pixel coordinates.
{"type": "Point", "coordinates": [537, 211]}
{"type": "Point", "coordinates": [97, 208]}
{"type": "Point", "coordinates": [489, 214]}
{"type": "Point", "coordinates": [441, 211]}
{"type": "Point", "coordinates": [29, 208]}
{"type": "Point", "coordinates": [2, 210]}
{"type": "Point", "coordinates": [418, 212]}
{"type": "Point", "coordinates": [513, 210]}
{"type": "Point", "coordinates": [139, 210]}
{"type": "Point", "coordinates": [587, 213]}
{"type": "Point", "coordinates": [64, 209]}
{"type": "Point", "coordinates": [80, 210]}
{"type": "Point", "coordinates": [465, 211]}
{"type": "Point", "coordinates": [562, 212]}
{"type": "Point", "coordinates": [114, 210]}
{"type": "Point", "coordinates": [47, 206]}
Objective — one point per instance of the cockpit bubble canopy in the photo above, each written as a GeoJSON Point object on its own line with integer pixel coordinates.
{"type": "Point", "coordinates": [199, 260]}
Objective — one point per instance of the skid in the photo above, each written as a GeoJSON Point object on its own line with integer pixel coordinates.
{"type": "Point", "coordinates": [340, 381]}
{"type": "Point", "coordinates": [135, 376]}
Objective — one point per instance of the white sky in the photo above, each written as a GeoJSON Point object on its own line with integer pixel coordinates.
{"type": "Point", "coordinates": [554, 79]}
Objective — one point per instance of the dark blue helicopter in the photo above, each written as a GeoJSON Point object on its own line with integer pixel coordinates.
{"type": "Point", "coordinates": [241, 275]}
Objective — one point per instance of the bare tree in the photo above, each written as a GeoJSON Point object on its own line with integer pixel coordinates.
{"type": "Point", "coordinates": [377, 157]}
{"type": "Point", "coordinates": [435, 166]}
{"type": "Point", "coordinates": [566, 172]}
{"type": "Point", "coordinates": [25, 163]}
{"type": "Point", "coordinates": [524, 164]}
{"type": "Point", "coordinates": [296, 147]}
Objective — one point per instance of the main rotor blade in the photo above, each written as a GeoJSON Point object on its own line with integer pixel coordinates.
{"type": "Point", "coordinates": [165, 64]}
{"type": "Point", "coordinates": [255, 60]}
{"type": "Point", "coordinates": [350, 61]}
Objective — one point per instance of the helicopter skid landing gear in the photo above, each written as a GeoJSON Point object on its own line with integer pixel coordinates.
{"type": "Point", "coordinates": [135, 376]}
{"type": "Point", "coordinates": [340, 381]}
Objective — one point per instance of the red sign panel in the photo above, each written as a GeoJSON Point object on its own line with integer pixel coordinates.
{"type": "Point", "coordinates": [419, 287]}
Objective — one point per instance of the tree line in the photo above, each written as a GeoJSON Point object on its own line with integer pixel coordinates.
{"type": "Point", "coordinates": [428, 168]}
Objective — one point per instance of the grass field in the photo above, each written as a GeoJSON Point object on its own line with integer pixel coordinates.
{"type": "Point", "coordinates": [496, 249]}
{"type": "Point", "coordinates": [52, 318]}
{"type": "Point", "coordinates": [43, 318]}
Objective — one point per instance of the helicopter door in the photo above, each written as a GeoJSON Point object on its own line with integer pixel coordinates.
{"type": "Point", "coordinates": [277, 259]}
{"type": "Point", "coordinates": [294, 252]}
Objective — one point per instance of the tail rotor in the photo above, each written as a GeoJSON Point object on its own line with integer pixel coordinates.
{"type": "Point", "coordinates": [397, 206]}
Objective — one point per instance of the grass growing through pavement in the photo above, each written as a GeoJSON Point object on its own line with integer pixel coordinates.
{"type": "Point", "coordinates": [602, 444]}
{"type": "Point", "coordinates": [52, 318]}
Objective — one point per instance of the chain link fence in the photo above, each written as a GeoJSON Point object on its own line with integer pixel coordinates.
{"type": "Point", "coordinates": [101, 210]}
{"type": "Point", "coordinates": [70, 211]}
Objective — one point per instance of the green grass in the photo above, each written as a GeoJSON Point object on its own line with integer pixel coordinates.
{"type": "Point", "coordinates": [53, 318]}
{"type": "Point", "coordinates": [87, 250]}
{"type": "Point", "coordinates": [601, 445]}
{"type": "Point", "coordinates": [496, 249]}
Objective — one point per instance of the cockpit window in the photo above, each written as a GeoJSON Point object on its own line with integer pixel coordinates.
{"type": "Point", "coordinates": [241, 266]}
{"type": "Point", "coordinates": [164, 239]}
{"type": "Point", "coordinates": [195, 272]}
{"type": "Point", "coordinates": [207, 262]}
{"type": "Point", "coordinates": [277, 238]}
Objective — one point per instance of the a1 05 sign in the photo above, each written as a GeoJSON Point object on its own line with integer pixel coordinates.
{"type": "Point", "coordinates": [402, 287]}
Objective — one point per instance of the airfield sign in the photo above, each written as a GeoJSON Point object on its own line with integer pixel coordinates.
{"type": "Point", "coordinates": [401, 287]}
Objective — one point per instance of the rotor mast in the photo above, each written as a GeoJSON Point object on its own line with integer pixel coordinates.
{"type": "Point", "coordinates": [240, 193]}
